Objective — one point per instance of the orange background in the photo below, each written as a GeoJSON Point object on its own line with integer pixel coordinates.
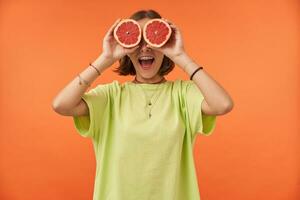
{"type": "Point", "coordinates": [250, 47]}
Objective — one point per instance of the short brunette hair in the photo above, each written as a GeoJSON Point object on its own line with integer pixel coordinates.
{"type": "Point", "coordinates": [125, 65]}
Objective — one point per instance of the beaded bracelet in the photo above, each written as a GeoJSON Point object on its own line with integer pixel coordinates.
{"type": "Point", "coordinates": [84, 81]}
{"type": "Point", "coordinates": [195, 72]}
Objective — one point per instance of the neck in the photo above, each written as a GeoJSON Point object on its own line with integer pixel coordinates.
{"type": "Point", "coordinates": [161, 81]}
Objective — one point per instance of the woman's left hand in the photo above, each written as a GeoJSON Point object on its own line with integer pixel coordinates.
{"type": "Point", "coordinates": [174, 47]}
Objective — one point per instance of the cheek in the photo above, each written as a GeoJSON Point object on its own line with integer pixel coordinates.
{"type": "Point", "coordinates": [159, 60]}
{"type": "Point", "coordinates": [134, 61]}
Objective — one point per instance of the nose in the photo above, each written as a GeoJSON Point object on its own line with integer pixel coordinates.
{"type": "Point", "coordinates": [144, 47]}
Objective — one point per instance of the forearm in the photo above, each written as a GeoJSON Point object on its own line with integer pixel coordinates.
{"type": "Point", "coordinates": [70, 95]}
{"type": "Point", "coordinates": [214, 94]}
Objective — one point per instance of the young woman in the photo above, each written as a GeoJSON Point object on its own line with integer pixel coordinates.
{"type": "Point", "coordinates": [143, 130]}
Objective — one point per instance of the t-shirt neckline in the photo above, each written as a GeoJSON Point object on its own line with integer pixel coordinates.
{"type": "Point", "coordinates": [149, 85]}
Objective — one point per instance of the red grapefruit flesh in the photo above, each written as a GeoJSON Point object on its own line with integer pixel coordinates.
{"type": "Point", "coordinates": [157, 32]}
{"type": "Point", "coordinates": [128, 33]}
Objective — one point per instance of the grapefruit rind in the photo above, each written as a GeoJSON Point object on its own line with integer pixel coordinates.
{"type": "Point", "coordinates": [130, 43]}
{"type": "Point", "coordinates": [162, 24]}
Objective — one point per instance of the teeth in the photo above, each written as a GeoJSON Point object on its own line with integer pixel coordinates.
{"type": "Point", "coordinates": [146, 58]}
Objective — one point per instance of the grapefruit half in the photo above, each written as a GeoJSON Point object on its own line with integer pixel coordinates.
{"type": "Point", "coordinates": [157, 32]}
{"type": "Point", "coordinates": [128, 33]}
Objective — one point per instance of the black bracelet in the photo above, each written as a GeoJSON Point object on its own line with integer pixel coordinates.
{"type": "Point", "coordinates": [195, 72]}
{"type": "Point", "coordinates": [95, 68]}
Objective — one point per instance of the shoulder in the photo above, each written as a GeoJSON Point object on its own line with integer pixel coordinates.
{"type": "Point", "coordinates": [104, 88]}
{"type": "Point", "coordinates": [108, 86]}
{"type": "Point", "coordinates": [188, 89]}
{"type": "Point", "coordinates": [183, 84]}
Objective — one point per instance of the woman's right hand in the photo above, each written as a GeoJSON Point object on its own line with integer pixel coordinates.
{"type": "Point", "coordinates": [112, 50]}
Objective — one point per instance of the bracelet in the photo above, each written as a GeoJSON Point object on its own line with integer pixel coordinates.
{"type": "Point", "coordinates": [195, 72]}
{"type": "Point", "coordinates": [84, 81]}
{"type": "Point", "coordinates": [95, 68]}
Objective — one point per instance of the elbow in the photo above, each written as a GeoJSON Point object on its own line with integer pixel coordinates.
{"type": "Point", "coordinates": [226, 108]}
{"type": "Point", "coordinates": [229, 107]}
{"type": "Point", "coordinates": [57, 107]}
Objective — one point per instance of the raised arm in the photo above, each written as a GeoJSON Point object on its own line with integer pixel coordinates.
{"type": "Point", "coordinates": [68, 101]}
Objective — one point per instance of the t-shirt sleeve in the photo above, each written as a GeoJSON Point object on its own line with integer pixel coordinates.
{"type": "Point", "coordinates": [198, 121]}
{"type": "Point", "coordinates": [96, 100]}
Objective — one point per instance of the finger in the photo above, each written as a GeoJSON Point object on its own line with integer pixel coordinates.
{"type": "Point", "coordinates": [172, 25]}
{"type": "Point", "coordinates": [168, 21]}
{"type": "Point", "coordinates": [115, 24]}
{"type": "Point", "coordinates": [113, 27]}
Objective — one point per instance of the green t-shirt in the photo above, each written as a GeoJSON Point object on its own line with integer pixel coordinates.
{"type": "Point", "coordinates": [142, 158]}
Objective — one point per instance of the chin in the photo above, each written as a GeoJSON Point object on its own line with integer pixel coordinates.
{"type": "Point", "coordinates": [147, 76]}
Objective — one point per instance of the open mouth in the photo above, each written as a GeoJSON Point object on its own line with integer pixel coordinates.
{"type": "Point", "coordinates": [146, 61]}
